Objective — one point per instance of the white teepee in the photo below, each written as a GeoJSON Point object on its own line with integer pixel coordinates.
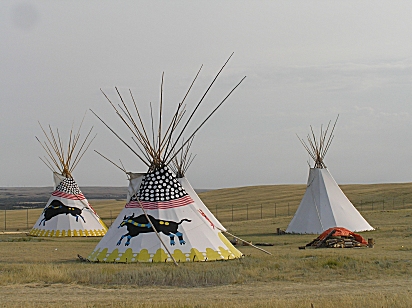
{"type": "Point", "coordinates": [67, 213]}
{"type": "Point", "coordinates": [161, 222]}
{"type": "Point", "coordinates": [324, 205]}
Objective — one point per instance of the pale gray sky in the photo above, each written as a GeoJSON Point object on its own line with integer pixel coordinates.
{"type": "Point", "coordinates": [305, 62]}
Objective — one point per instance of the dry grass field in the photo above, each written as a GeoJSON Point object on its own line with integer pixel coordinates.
{"type": "Point", "coordinates": [45, 272]}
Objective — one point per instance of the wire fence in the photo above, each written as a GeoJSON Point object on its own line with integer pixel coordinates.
{"type": "Point", "coordinates": [24, 219]}
{"type": "Point", "coordinates": [239, 212]}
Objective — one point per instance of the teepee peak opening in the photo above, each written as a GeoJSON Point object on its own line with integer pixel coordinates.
{"type": "Point", "coordinates": [317, 148]}
{"type": "Point", "coordinates": [63, 158]}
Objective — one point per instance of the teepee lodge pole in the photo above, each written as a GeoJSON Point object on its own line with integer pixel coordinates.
{"type": "Point", "coordinates": [157, 233]}
{"type": "Point", "coordinates": [248, 243]}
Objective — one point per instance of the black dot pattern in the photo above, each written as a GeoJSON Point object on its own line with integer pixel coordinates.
{"type": "Point", "coordinates": [161, 185]}
{"type": "Point", "coordinates": [69, 186]}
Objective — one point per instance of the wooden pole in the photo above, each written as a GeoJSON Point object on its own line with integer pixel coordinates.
{"type": "Point", "coordinates": [158, 236]}
{"type": "Point", "coordinates": [197, 106]}
{"type": "Point", "coordinates": [258, 248]}
{"type": "Point", "coordinates": [275, 209]}
{"type": "Point", "coordinates": [214, 110]}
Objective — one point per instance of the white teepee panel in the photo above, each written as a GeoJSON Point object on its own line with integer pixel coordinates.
{"type": "Point", "coordinates": [199, 203]}
{"type": "Point", "coordinates": [324, 206]}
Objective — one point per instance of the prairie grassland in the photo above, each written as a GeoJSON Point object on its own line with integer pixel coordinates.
{"type": "Point", "coordinates": [45, 271]}
{"type": "Point", "coordinates": [245, 203]}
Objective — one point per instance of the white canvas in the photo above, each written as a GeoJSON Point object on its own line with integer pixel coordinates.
{"type": "Point", "coordinates": [324, 206]}
{"type": "Point", "coordinates": [199, 204]}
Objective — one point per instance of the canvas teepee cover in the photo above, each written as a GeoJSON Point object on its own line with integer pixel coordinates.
{"type": "Point", "coordinates": [161, 222]}
{"type": "Point", "coordinates": [186, 231]}
{"type": "Point", "coordinates": [324, 205]}
{"type": "Point", "coordinates": [67, 213]}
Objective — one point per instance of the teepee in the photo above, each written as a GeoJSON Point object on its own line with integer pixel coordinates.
{"type": "Point", "coordinates": [161, 221]}
{"type": "Point", "coordinates": [67, 213]}
{"type": "Point", "coordinates": [324, 205]}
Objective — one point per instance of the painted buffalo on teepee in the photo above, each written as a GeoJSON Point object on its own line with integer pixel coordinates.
{"type": "Point", "coordinates": [67, 213]}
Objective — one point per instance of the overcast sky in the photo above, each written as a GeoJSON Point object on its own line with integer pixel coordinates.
{"type": "Point", "coordinates": [305, 62]}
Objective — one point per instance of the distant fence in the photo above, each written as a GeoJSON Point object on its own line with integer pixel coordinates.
{"type": "Point", "coordinates": [238, 212]}
{"type": "Point", "coordinates": [24, 219]}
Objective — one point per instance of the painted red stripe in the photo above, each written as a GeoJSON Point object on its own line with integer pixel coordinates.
{"type": "Point", "coordinates": [160, 205]}
{"type": "Point", "coordinates": [57, 193]}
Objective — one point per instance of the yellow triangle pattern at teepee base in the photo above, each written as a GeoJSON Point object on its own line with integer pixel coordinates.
{"type": "Point", "coordinates": [64, 233]}
{"type": "Point", "coordinates": [236, 253]}
{"type": "Point", "coordinates": [225, 253]}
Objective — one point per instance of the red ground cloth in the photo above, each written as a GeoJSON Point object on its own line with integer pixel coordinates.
{"type": "Point", "coordinates": [343, 232]}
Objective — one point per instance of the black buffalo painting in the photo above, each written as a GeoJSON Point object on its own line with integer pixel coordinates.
{"type": "Point", "coordinates": [57, 208]}
{"type": "Point", "coordinates": [140, 224]}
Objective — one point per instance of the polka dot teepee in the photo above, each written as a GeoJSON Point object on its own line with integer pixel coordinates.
{"type": "Point", "coordinates": [161, 221]}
